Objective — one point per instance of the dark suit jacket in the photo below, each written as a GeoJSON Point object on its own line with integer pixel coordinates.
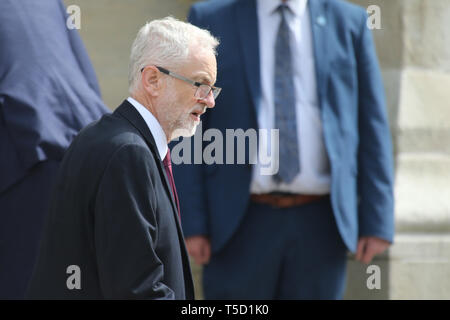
{"type": "Point", "coordinates": [48, 87]}
{"type": "Point", "coordinates": [48, 92]}
{"type": "Point", "coordinates": [214, 198]}
{"type": "Point", "coordinates": [113, 216]}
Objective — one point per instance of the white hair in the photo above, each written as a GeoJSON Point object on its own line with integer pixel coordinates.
{"type": "Point", "coordinates": [166, 42]}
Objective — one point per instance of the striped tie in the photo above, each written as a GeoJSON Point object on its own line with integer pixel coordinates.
{"type": "Point", "coordinates": [285, 115]}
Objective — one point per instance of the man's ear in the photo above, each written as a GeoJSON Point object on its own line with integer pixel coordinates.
{"type": "Point", "coordinates": [151, 80]}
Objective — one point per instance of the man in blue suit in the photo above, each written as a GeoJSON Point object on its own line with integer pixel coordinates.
{"type": "Point", "coordinates": [48, 92]}
{"type": "Point", "coordinates": [308, 69]}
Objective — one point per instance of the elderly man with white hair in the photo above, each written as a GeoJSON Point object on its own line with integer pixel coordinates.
{"type": "Point", "coordinates": [113, 230]}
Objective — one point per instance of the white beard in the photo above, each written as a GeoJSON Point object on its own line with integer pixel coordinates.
{"type": "Point", "coordinates": [180, 125]}
{"type": "Point", "coordinates": [183, 127]}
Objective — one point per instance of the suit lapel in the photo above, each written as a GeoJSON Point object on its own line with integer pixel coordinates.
{"type": "Point", "coordinates": [247, 22]}
{"type": "Point", "coordinates": [319, 24]}
{"type": "Point", "coordinates": [132, 115]}
{"type": "Point", "coordinates": [127, 110]}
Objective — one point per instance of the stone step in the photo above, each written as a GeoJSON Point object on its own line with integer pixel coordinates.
{"type": "Point", "coordinates": [419, 266]}
{"type": "Point", "coordinates": [422, 192]}
{"type": "Point", "coordinates": [423, 140]}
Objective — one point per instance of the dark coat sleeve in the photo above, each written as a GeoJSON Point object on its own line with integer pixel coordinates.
{"type": "Point", "coordinates": [126, 228]}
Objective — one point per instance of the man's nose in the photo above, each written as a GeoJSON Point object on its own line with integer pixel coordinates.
{"type": "Point", "coordinates": [209, 100]}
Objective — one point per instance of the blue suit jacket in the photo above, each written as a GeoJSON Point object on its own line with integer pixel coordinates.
{"type": "Point", "coordinates": [214, 198]}
{"type": "Point", "coordinates": [48, 87]}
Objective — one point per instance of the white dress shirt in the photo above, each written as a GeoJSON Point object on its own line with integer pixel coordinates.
{"type": "Point", "coordinates": [154, 126]}
{"type": "Point", "coordinates": [314, 176]}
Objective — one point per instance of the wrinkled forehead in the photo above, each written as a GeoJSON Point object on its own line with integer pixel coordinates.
{"type": "Point", "coordinates": [202, 65]}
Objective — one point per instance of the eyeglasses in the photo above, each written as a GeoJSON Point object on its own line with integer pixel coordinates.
{"type": "Point", "coordinates": [202, 91]}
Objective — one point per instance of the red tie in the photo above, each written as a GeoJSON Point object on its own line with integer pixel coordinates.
{"type": "Point", "coordinates": [168, 166]}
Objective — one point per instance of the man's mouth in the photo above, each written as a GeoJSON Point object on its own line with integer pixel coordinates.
{"type": "Point", "coordinates": [196, 114]}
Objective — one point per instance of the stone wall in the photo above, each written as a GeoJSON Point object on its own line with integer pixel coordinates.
{"type": "Point", "coordinates": [414, 51]}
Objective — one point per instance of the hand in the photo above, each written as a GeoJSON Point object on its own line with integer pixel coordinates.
{"type": "Point", "coordinates": [368, 247]}
{"type": "Point", "coordinates": [199, 248]}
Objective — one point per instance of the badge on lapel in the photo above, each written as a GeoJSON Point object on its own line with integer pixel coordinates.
{"type": "Point", "coordinates": [321, 21]}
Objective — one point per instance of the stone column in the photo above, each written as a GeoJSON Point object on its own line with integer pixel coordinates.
{"type": "Point", "coordinates": [414, 51]}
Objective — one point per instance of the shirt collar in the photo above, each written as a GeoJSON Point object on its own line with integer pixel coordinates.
{"type": "Point", "coordinates": [269, 6]}
{"type": "Point", "coordinates": [154, 126]}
